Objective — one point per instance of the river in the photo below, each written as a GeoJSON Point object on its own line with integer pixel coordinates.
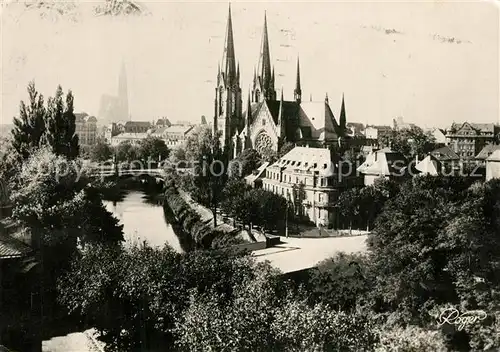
{"type": "Point", "coordinates": [143, 219]}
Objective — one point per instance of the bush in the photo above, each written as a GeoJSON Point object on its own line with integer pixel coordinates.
{"type": "Point", "coordinates": [410, 339]}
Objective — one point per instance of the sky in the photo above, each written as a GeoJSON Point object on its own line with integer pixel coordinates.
{"type": "Point", "coordinates": [433, 63]}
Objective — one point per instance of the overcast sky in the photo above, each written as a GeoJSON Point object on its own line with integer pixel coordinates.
{"type": "Point", "coordinates": [431, 62]}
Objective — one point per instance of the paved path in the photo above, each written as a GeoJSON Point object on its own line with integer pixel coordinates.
{"type": "Point", "coordinates": [295, 254]}
{"type": "Point", "coordinates": [75, 342]}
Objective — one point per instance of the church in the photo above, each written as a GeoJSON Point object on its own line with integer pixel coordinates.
{"type": "Point", "coordinates": [269, 121]}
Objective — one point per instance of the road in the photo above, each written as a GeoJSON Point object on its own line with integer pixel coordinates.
{"type": "Point", "coordinates": [295, 254]}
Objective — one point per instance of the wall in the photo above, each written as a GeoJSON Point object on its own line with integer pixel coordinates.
{"type": "Point", "coordinates": [492, 170]}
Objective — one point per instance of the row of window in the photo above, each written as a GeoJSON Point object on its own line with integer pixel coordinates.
{"type": "Point", "coordinates": [285, 192]}
{"type": "Point", "coordinates": [308, 181]}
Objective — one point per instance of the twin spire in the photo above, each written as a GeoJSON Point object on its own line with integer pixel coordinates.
{"type": "Point", "coordinates": [264, 76]}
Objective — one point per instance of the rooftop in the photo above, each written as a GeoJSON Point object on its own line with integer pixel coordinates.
{"type": "Point", "coordinates": [308, 159]}
{"type": "Point", "coordinates": [495, 156]}
{"type": "Point", "coordinates": [12, 248]}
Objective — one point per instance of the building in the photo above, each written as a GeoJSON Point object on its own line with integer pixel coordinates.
{"type": "Point", "coordinates": [321, 179]}
{"type": "Point", "coordinates": [439, 135]}
{"type": "Point", "coordinates": [269, 119]}
{"type": "Point", "coordinates": [174, 135]}
{"type": "Point", "coordinates": [86, 129]}
{"type": "Point", "coordinates": [376, 133]}
{"type": "Point", "coordinates": [447, 157]}
{"type": "Point", "coordinates": [383, 163]}
{"type": "Point", "coordinates": [467, 139]}
{"type": "Point", "coordinates": [430, 166]}
{"type": "Point", "coordinates": [485, 153]}
{"type": "Point", "coordinates": [399, 124]}
{"type": "Point", "coordinates": [115, 108]}
{"type": "Point", "coordinates": [493, 165]}
{"type": "Point", "coordinates": [133, 138]}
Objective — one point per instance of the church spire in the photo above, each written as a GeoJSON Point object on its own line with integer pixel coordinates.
{"type": "Point", "coordinates": [228, 58]}
{"type": "Point", "coordinates": [342, 119]}
{"type": "Point", "coordinates": [298, 91]}
{"type": "Point", "coordinates": [123, 94]}
{"type": "Point", "coordinates": [249, 112]}
{"type": "Point", "coordinates": [326, 98]}
{"type": "Point", "coordinates": [265, 57]}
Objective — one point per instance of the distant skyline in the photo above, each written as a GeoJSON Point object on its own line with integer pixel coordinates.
{"type": "Point", "coordinates": [432, 63]}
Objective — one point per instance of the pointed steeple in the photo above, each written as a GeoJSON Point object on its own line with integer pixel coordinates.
{"type": "Point", "coordinates": [326, 98]}
{"type": "Point", "coordinates": [123, 93]}
{"type": "Point", "coordinates": [249, 112]}
{"type": "Point", "coordinates": [298, 91]}
{"type": "Point", "coordinates": [228, 57]}
{"type": "Point", "coordinates": [280, 113]}
{"type": "Point", "coordinates": [264, 67]}
{"type": "Point", "coordinates": [342, 118]}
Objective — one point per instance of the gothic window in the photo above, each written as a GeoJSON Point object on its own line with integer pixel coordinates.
{"type": "Point", "coordinates": [257, 96]}
{"type": "Point", "coordinates": [263, 142]}
{"type": "Point", "coordinates": [263, 122]}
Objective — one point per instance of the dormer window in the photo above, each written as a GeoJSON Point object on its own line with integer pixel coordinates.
{"type": "Point", "coordinates": [315, 165]}
{"type": "Point", "coordinates": [324, 166]}
{"type": "Point", "coordinates": [293, 162]}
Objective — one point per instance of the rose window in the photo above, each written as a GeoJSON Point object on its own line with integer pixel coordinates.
{"type": "Point", "coordinates": [263, 142]}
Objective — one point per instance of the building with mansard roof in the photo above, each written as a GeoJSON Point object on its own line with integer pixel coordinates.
{"type": "Point", "coordinates": [268, 120]}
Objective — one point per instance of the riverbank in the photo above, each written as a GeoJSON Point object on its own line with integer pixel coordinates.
{"type": "Point", "coordinates": [196, 221]}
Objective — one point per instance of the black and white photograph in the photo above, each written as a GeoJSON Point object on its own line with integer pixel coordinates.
{"type": "Point", "coordinates": [225, 176]}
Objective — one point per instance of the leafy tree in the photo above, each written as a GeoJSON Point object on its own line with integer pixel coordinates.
{"type": "Point", "coordinates": [135, 298]}
{"type": "Point", "coordinates": [342, 282]}
{"type": "Point", "coordinates": [101, 151]}
{"type": "Point", "coordinates": [233, 196]}
{"type": "Point", "coordinates": [52, 201]}
{"type": "Point", "coordinates": [410, 142]}
{"type": "Point", "coordinates": [60, 126]}
{"type": "Point", "coordinates": [269, 155]}
{"type": "Point", "coordinates": [410, 338]}
{"type": "Point", "coordinates": [153, 148]}
{"type": "Point", "coordinates": [285, 149]}
{"type": "Point", "coordinates": [29, 127]}
{"type": "Point", "coordinates": [248, 161]}
{"type": "Point", "coordinates": [431, 244]}
{"type": "Point", "coordinates": [211, 174]}
{"type": "Point", "coordinates": [198, 142]}
{"type": "Point", "coordinates": [299, 196]}
{"type": "Point", "coordinates": [126, 152]}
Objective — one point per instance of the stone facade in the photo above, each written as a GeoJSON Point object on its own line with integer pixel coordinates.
{"type": "Point", "coordinates": [321, 179]}
{"type": "Point", "coordinates": [86, 129]}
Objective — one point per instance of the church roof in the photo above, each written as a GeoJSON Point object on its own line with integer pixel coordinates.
{"type": "Point", "coordinates": [290, 108]}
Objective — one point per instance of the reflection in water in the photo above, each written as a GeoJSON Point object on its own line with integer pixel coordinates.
{"type": "Point", "coordinates": [143, 219]}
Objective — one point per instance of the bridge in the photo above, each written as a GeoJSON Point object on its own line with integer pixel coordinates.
{"type": "Point", "coordinates": [158, 173]}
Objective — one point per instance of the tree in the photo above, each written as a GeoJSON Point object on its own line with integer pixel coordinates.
{"type": "Point", "coordinates": [198, 142]}
{"type": "Point", "coordinates": [211, 173]}
{"type": "Point", "coordinates": [285, 149]}
{"type": "Point", "coordinates": [29, 127]}
{"type": "Point", "coordinates": [136, 297]}
{"type": "Point", "coordinates": [101, 151]}
{"type": "Point", "coordinates": [433, 243]}
{"type": "Point", "coordinates": [410, 142]}
{"type": "Point", "coordinates": [248, 161]}
{"type": "Point", "coordinates": [269, 155]}
{"type": "Point", "coordinates": [52, 201]}
{"type": "Point", "coordinates": [60, 126]}
{"type": "Point", "coordinates": [125, 151]}
{"type": "Point", "coordinates": [343, 281]}
{"type": "Point", "coordinates": [153, 148]}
